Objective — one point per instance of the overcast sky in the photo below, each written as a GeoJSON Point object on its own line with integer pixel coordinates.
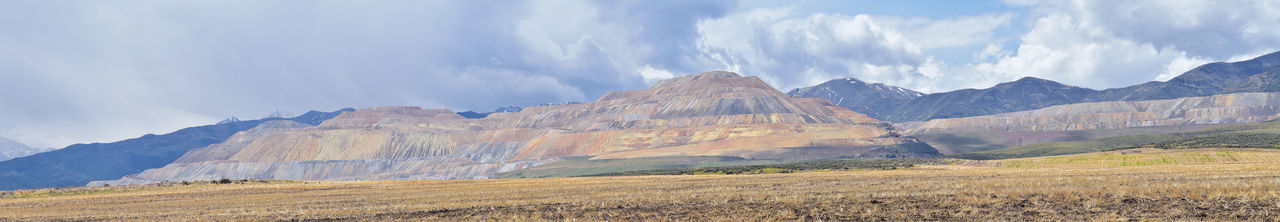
{"type": "Point", "coordinates": [102, 71]}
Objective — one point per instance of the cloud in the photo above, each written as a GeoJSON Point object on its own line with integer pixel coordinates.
{"type": "Point", "coordinates": [1060, 48]}
{"type": "Point", "coordinates": [103, 71]}
{"type": "Point", "coordinates": [950, 32]}
{"type": "Point", "coordinates": [1215, 29]}
{"type": "Point", "coordinates": [99, 72]}
{"type": "Point", "coordinates": [652, 75]}
{"type": "Point", "coordinates": [1103, 44]}
{"type": "Point", "coordinates": [1097, 44]}
{"type": "Point", "coordinates": [791, 51]}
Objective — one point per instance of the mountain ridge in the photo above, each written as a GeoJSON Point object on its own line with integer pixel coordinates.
{"type": "Point", "coordinates": [79, 164]}
{"type": "Point", "coordinates": [1216, 109]}
{"type": "Point", "coordinates": [704, 114]}
{"type": "Point", "coordinates": [1260, 74]}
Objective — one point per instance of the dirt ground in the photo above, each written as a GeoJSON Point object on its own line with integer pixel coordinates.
{"type": "Point", "coordinates": [1235, 185]}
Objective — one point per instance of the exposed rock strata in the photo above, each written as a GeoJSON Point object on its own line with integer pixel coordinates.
{"type": "Point", "coordinates": [706, 114]}
{"type": "Point", "coordinates": [1219, 109]}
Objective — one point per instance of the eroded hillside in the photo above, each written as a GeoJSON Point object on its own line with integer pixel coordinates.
{"type": "Point", "coordinates": [706, 114]}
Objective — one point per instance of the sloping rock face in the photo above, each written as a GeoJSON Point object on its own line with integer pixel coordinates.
{"type": "Point", "coordinates": [1219, 109]}
{"type": "Point", "coordinates": [706, 114]}
{"type": "Point", "coordinates": [233, 145]}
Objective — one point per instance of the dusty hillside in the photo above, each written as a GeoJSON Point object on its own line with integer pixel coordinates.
{"type": "Point", "coordinates": [706, 114]}
{"type": "Point", "coordinates": [1218, 109]}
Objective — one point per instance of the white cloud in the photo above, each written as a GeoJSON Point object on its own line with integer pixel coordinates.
{"type": "Point", "coordinates": [652, 75]}
{"type": "Point", "coordinates": [951, 32]}
{"type": "Point", "coordinates": [1062, 49]}
{"type": "Point", "coordinates": [992, 51]}
{"type": "Point", "coordinates": [1215, 29]}
{"type": "Point", "coordinates": [1091, 43]}
{"type": "Point", "coordinates": [1180, 65]}
{"type": "Point", "coordinates": [799, 50]}
{"type": "Point", "coordinates": [1104, 44]}
{"type": "Point", "coordinates": [101, 72]}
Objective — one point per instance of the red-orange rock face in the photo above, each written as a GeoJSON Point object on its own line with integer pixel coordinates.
{"type": "Point", "coordinates": [706, 114]}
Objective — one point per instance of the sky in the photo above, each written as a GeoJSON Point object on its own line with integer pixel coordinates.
{"type": "Point", "coordinates": [102, 71]}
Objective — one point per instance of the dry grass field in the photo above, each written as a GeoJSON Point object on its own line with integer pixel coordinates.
{"type": "Point", "coordinates": [1145, 184]}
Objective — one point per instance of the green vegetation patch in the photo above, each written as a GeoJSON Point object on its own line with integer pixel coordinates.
{"type": "Point", "coordinates": [584, 165]}
{"type": "Point", "coordinates": [973, 142]}
{"type": "Point", "coordinates": [1248, 139]}
{"type": "Point", "coordinates": [818, 165]}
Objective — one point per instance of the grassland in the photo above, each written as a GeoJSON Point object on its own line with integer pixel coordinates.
{"type": "Point", "coordinates": [1143, 184]}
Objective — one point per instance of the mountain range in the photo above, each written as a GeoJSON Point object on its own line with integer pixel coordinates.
{"type": "Point", "coordinates": [78, 164]}
{"type": "Point", "coordinates": [1217, 109]}
{"type": "Point", "coordinates": [712, 114]}
{"type": "Point", "coordinates": [889, 103]}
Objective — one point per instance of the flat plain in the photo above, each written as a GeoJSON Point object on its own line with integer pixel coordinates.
{"type": "Point", "coordinates": [1142, 184]}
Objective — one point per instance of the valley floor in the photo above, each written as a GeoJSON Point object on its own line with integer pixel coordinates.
{"type": "Point", "coordinates": [1146, 184]}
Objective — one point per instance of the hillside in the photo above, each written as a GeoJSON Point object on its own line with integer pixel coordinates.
{"type": "Point", "coordinates": [1023, 94]}
{"type": "Point", "coordinates": [859, 96]}
{"type": "Point", "coordinates": [713, 114]}
{"type": "Point", "coordinates": [1218, 109]}
{"type": "Point", "coordinates": [78, 164]}
{"type": "Point", "coordinates": [1261, 74]}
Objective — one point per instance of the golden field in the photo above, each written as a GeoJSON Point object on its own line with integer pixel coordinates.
{"type": "Point", "coordinates": [1144, 184]}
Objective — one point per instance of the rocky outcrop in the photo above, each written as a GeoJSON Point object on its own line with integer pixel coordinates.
{"type": "Point", "coordinates": [706, 114]}
{"type": "Point", "coordinates": [1219, 109]}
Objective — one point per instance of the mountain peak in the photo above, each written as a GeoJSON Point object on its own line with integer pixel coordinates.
{"type": "Point", "coordinates": [696, 84]}
{"type": "Point", "coordinates": [686, 79]}
{"type": "Point", "coordinates": [1032, 79]}
{"type": "Point", "coordinates": [713, 74]}
{"type": "Point", "coordinates": [858, 95]}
